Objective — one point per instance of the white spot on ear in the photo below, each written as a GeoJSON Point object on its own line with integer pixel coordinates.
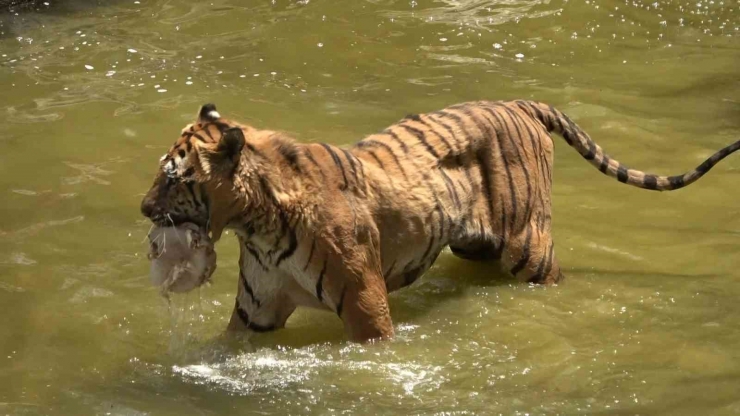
{"type": "Point", "coordinates": [164, 156]}
{"type": "Point", "coordinates": [214, 115]}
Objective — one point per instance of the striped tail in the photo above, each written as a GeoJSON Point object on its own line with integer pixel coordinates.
{"type": "Point", "coordinates": [558, 122]}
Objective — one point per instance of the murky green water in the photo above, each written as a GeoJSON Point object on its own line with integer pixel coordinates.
{"type": "Point", "coordinates": [646, 323]}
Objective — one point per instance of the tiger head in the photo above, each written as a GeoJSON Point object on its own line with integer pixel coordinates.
{"type": "Point", "coordinates": [195, 179]}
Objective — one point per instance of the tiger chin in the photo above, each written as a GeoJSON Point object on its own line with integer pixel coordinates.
{"type": "Point", "coordinates": [339, 228]}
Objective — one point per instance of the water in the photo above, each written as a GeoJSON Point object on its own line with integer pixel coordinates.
{"type": "Point", "coordinates": [646, 322]}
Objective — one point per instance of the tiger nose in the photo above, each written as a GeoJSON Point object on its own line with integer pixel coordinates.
{"type": "Point", "coordinates": [149, 207]}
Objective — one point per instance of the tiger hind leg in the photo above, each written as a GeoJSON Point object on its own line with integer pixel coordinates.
{"type": "Point", "coordinates": [530, 256]}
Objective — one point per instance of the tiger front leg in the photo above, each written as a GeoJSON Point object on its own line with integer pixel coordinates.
{"type": "Point", "coordinates": [365, 310]}
{"type": "Point", "coordinates": [351, 281]}
{"type": "Point", "coordinates": [260, 314]}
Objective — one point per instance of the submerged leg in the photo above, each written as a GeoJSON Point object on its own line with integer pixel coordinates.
{"type": "Point", "coordinates": [530, 256]}
{"type": "Point", "coordinates": [365, 310]}
{"type": "Point", "coordinates": [261, 316]}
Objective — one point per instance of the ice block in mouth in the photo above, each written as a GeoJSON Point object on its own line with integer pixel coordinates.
{"type": "Point", "coordinates": [182, 258]}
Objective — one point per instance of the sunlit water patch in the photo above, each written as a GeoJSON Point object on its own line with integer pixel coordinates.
{"type": "Point", "coordinates": [268, 370]}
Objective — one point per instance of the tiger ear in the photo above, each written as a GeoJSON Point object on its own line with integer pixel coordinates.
{"type": "Point", "coordinates": [208, 114]}
{"type": "Point", "coordinates": [232, 142]}
{"type": "Point", "coordinates": [224, 156]}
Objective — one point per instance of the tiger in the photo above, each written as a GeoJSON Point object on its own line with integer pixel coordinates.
{"type": "Point", "coordinates": [339, 228]}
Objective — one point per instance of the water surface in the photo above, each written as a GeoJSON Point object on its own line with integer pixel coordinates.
{"type": "Point", "coordinates": [93, 93]}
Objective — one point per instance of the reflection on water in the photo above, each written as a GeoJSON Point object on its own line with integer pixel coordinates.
{"type": "Point", "coordinates": [94, 92]}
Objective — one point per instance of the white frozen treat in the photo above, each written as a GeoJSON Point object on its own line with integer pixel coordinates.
{"type": "Point", "coordinates": [182, 258]}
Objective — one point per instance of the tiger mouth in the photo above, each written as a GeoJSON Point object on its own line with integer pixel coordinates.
{"type": "Point", "coordinates": [174, 220]}
{"type": "Point", "coordinates": [167, 220]}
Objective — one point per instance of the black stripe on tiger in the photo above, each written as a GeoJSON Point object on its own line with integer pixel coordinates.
{"type": "Point", "coordinates": [289, 152]}
{"type": "Point", "coordinates": [248, 289]}
{"type": "Point", "coordinates": [340, 304]}
{"type": "Point", "coordinates": [622, 174]}
{"type": "Point", "coordinates": [309, 156]}
{"type": "Point", "coordinates": [362, 169]}
{"type": "Point", "coordinates": [519, 156]}
{"type": "Point", "coordinates": [448, 129]}
{"type": "Point", "coordinates": [339, 164]}
{"type": "Point", "coordinates": [544, 267]}
{"type": "Point", "coordinates": [244, 316]}
{"type": "Point", "coordinates": [267, 190]}
{"type": "Point", "coordinates": [421, 136]}
{"type": "Point", "coordinates": [310, 255]}
{"type": "Point", "coordinates": [462, 149]}
{"type": "Point", "coordinates": [536, 144]}
{"type": "Point", "coordinates": [256, 256]}
{"type": "Point", "coordinates": [390, 269]}
{"type": "Point", "coordinates": [486, 171]}
{"type": "Point", "coordinates": [557, 119]}
{"type": "Point", "coordinates": [462, 124]}
{"type": "Point", "coordinates": [288, 252]}
{"type": "Point", "coordinates": [676, 182]}
{"type": "Point", "coordinates": [459, 123]}
{"type": "Point", "coordinates": [352, 165]}
{"type": "Point", "coordinates": [261, 328]}
{"type": "Point", "coordinates": [208, 133]}
{"type": "Point", "coordinates": [578, 139]}
{"type": "Point", "coordinates": [371, 143]}
{"type": "Point", "coordinates": [505, 161]}
{"type": "Point", "coordinates": [430, 128]}
{"type": "Point", "coordinates": [486, 129]}
{"type": "Point", "coordinates": [377, 160]}
{"type": "Point", "coordinates": [525, 253]}
{"type": "Point", "coordinates": [650, 181]}
{"type": "Point", "coordinates": [253, 149]}
{"type": "Point", "coordinates": [396, 139]}
{"type": "Point", "coordinates": [320, 282]}
{"type": "Point", "coordinates": [500, 249]}
{"type": "Point", "coordinates": [190, 185]}
{"type": "Point", "coordinates": [284, 227]}
{"type": "Point", "coordinates": [189, 134]}
{"type": "Point", "coordinates": [432, 237]}
{"type": "Point", "coordinates": [450, 188]}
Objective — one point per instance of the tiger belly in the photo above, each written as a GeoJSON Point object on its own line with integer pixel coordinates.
{"type": "Point", "coordinates": [403, 269]}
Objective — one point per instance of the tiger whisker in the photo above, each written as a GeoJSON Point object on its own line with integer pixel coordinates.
{"type": "Point", "coordinates": [147, 233]}
{"type": "Point", "coordinates": [173, 225]}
